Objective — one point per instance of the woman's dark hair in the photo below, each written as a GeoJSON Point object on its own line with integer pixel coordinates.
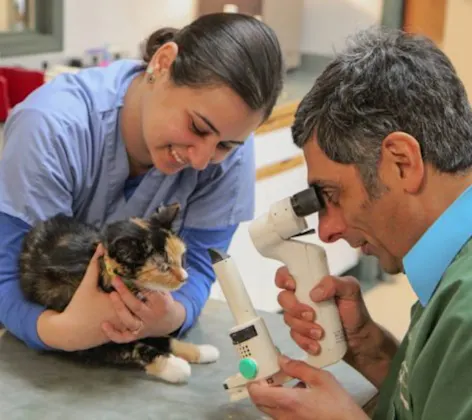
{"type": "Point", "coordinates": [233, 49]}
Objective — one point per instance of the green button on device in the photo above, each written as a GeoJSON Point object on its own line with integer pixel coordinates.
{"type": "Point", "coordinates": [248, 368]}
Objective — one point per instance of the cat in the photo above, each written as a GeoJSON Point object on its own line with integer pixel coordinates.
{"type": "Point", "coordinates": [145, 253]}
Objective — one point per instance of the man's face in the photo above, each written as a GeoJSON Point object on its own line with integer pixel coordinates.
{"type": "Point", "coordinates": [380, 226]}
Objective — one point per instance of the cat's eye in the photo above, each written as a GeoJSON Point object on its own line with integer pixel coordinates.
{"type": "Point", "coordinates": [164, 267]}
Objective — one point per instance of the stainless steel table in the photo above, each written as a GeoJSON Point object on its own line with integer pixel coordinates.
{"type": "Point", "coordinates": [45, 386]}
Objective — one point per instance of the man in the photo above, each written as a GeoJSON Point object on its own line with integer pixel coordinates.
{"type": "Point", "coordinates": [387, 136]}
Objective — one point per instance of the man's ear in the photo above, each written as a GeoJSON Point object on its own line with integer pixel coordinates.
{"type": "Point", "coordinates": [402, 161]}
{"type": "Point", "coordinates": [164, 216]}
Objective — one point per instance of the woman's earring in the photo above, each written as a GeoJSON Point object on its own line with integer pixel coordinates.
{"type": "Point", "coordinates": [150, 75]}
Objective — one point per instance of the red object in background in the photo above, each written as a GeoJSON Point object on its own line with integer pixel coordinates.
{"type": "Point", "coordinates": [16, 84]}
{"type": "Point", "coordinates": [4, 101]}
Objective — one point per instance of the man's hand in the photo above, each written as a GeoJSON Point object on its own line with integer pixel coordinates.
{"type": "Point", "coordinates": [156, 315]}
{"type": "Point", "coordinates": [370, 348]}
{"type": "Point", "coordinates": [318, 396]}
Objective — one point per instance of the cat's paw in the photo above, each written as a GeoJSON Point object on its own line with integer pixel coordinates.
{"type": "Point", "coordinates": [208, 353]}
{"type": "Point", "coordinates": [170, 369]}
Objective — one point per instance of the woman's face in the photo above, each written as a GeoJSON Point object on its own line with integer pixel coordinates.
{"type": "Point", "coordinates": [190, 127]}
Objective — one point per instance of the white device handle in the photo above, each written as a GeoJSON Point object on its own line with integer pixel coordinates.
{"type": "Point", "coordinates": [308, 267]}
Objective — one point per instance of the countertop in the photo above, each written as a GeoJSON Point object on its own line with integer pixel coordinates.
{"type": "Point", "coordinates": [45, 386]}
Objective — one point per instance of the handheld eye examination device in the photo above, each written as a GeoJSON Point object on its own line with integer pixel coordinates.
{"type": "Point", "coordinates": [273, 235]}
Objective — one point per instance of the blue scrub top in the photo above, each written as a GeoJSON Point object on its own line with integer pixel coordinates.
{"type": "Point", "coordinates": [64, 154]}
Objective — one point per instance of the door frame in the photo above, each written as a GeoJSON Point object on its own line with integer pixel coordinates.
{"type": "Point", "coordinates": [426, 17]}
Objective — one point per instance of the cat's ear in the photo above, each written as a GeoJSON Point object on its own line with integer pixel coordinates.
{"type": "Point", "coordinates": [164, 216]}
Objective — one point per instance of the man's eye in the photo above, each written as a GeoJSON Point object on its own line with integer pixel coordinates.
{"type": "Point", "coordinates": [330, 196]}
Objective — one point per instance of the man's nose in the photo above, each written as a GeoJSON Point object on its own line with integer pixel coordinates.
{"type": "Point", "coordinates": [331, 225]}
{"type": "Point", "coordinates": [201, 154]}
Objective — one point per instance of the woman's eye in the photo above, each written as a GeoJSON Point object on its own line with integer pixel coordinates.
{"type": "Point", "coordinates": [225, 146]}
{"type": "Point", "coordinates": [197, 131]}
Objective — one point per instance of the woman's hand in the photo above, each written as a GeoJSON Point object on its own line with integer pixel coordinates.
{"type": "Point", "coordinates": [156, 315]}
{"type": "Point", "coordinates": [79, 326]}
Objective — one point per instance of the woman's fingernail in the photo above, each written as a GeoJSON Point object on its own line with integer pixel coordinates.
{"type": "Point", "coordinates": [317, 293]}
{"type": "Point", "coordinates": [308, 316]}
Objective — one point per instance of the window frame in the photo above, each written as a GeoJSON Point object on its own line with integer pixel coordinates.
{"type": "Point", "coordinates": [47, 38]}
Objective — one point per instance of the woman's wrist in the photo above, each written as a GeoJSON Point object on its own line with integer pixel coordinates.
{"type": "Point", "coordinates": [177, 317]}
{"type": "Point", "coordinates": [54, 332]}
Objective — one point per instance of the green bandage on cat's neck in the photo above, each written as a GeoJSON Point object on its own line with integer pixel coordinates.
{"type": "Point", "coordinates": [111, 273]}
{"type": "Point", "coordinates": [128, 283]}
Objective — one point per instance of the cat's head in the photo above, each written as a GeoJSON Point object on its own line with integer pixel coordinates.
{"type": "Point", "coordinates": [146, 252]}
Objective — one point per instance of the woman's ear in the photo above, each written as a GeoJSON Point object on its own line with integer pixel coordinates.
{"type": "Point", "coordinates": [164, 56]}
{"type": "Point", "coordinates": [403, 161]}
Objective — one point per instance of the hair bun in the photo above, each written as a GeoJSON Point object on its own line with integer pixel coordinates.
{"type": "Point", "coordinates": [156, 40]}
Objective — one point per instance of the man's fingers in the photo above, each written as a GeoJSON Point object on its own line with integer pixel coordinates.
{"type": "Point", "coordinates": [309, 345]}
{"type": "Point", "coordinates": [283, 279]}
{"type": "Point", "coordinates": [330, 286]}
{"type": "Point", "coordinates": [302, 371]}
{"type": "Point", "coordinates": [290, 304]}
{"type": "Point", "coordinates": [269, 397]}
{"type": "Point", "coordinates": [306, 328]}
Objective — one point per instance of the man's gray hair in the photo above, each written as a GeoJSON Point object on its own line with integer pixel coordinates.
{"type": "Point", "coordinates": [386, 81]}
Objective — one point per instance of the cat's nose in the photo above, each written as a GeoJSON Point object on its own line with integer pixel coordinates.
{"type": "Point", "coordinates": [183, 274]}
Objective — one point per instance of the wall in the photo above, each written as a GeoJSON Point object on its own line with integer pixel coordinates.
{"type": "Point", "coordinates": [122, 23]}
{"type": "Point", "coordinates": [326, 23]}
{"type": "Point", "coordinates": [456, 41]}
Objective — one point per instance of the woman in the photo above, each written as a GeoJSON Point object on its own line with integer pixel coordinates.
{"type": "Point", "coordinates": [114, 142]}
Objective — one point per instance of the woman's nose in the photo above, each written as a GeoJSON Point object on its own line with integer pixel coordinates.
{"type": "Point", "coordinates": [201, 154]}
{"type": "Point", "coordinates": [331, 225]}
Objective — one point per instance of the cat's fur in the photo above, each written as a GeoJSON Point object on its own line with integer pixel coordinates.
{"type": "Point", "coordinates": [146, 254]}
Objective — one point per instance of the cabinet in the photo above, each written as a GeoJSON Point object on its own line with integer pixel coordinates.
{"type": "Point", "coordinates": [284, 17]}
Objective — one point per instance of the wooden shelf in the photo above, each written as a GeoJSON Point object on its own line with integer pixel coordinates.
{"type": "Point", "coordinates": [282, 116]}
{"type": "Point", "coordinates": [277, 168]}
